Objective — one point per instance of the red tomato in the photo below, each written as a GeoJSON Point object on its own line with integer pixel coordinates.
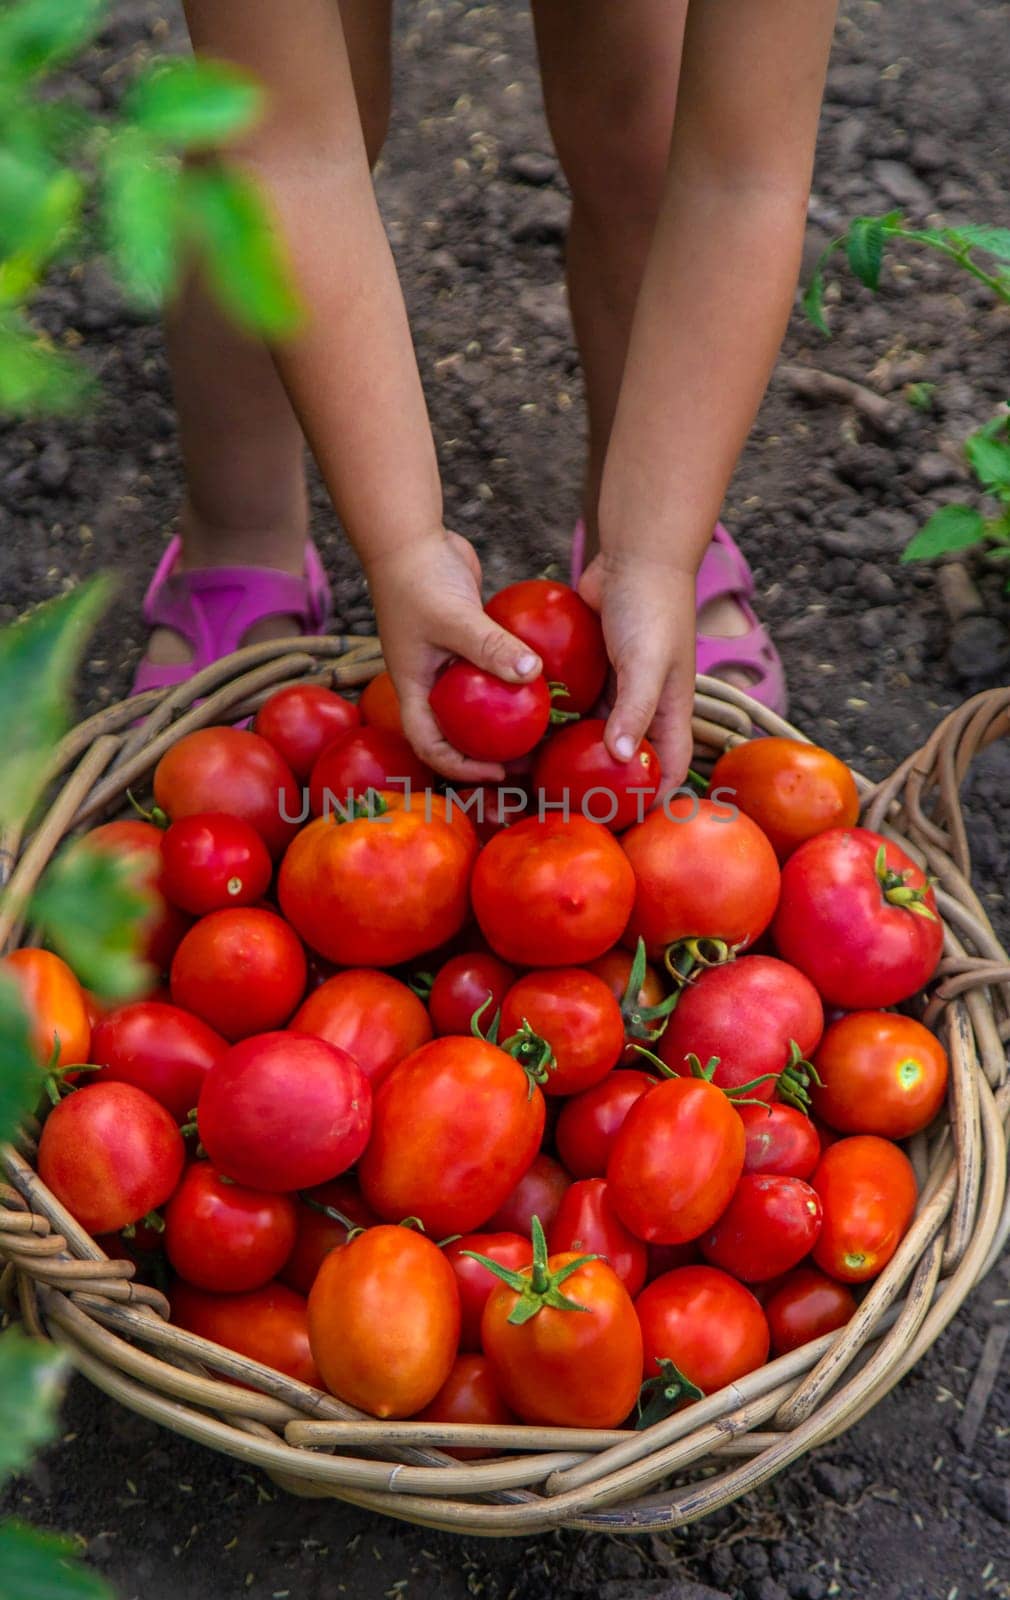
{"type": "Point", "coordinates": [589, 1122]}
{"type": "Point", "coordinates": [492, 809]}
{"type": "Point", "coordinates": [806, 1305]}
{"type": "Point", "coordinates": [373, 1016]}
{"type": "Point", "coordinates": [587, 1223]}
{"type": "Point", "coordinates": [486, 718]}
{"type": "Point", "coordinates": [701, 871]}
{"type": "Point", "coordinates": [213, 861]}
{"type": "Point", "coordinates": [780, 1140]}
{"type": "Point", "coordinates": [675, 1161]}
{"type": "Point", "coordinates": [56, 1006]}
{"type": "Point", "coordinates": [110, 1154]}
{"type": "Point", "coordinates": [224, 1237]}
{"type": "Point", "coordinates": [165, 924]}
{"type": "Point", "coordinates": [576, 1365]}
{"type": "Point", "coordinates": [538, 1193]}
{"type": "Point", "coordinates": [241, 971]}
{"type": "Point", "coordinates": [216, 769]}
{"type": "Point", "coordinates": [549, 892]}
{"type": "Point", "coordinates": [868, 1190]}
{"type": "Point", "coordinates": [380, 704]}
{"type": "Point", "coordinates": [792, 790]}
{"type": "Point", "coordinates": [265, 1325]}
{"type": "Point", "coordinates": [319, 1228]}
{"type": "Point", "coordinates": [770, 1224]}
{"type": "Point", "coordinates": [880, 1073]}
{"type": "Point", "coordinates": [378, 890]}
{"type": "Point", "coordinates": [644, 1009]}
{"type": "Point", "coordinates": [858, 917]}
{"type": "Point", "coordinates": [707, 1325]}
{"type": "Point", "coordinates": [469, 1394]}
{"type": "Point", "coordinates": [748, 1013]}
{"type": "Point", "coordinates": [301, 720]}
{"type": "Point", "coordinates": [384, 1321]}
{"type": "Point", "coordinates": [576, 769]}
{"type": "Point", "coordinates": [454, 1127]}
{"type": "Point", "coordinates": [565, 633]}
{"type": "Point", "coordinates": [463, 986]}
{"type": "Point", "coordinates": [574, 1015]}
{"type": "Point", "coordinates": [158, 1048]}
{"type": "Point", "coordinates": [475, 1282]}
{"type": "Point", "coordinates": [368, 758]}
{"type": "Point", "coordinates": [282, 1111]}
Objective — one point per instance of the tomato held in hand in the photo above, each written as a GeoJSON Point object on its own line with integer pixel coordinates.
{"type": "Point", "coordinates": [213, 860]}
{"type": "Point", "coordinates": [475, 1282]}
{"type": "Point", "coordinates": [380, 704]}
{"type": "Point", "coordinates": [241, 971]}
{"type": "Point", "coordinates": [859, 918]}
{"type": "Point", "coordinates": [469, 1394]}
{"type": "Point", "coordinates": [475, 981]}
{"type": "Point", "coordinates": [576, 1364]}
{"type": "Point", "coordinates": [805, 1305]}
{"type": "Point", "coordinates": [366, 758]}
{"type": "Point", "coordinates": [110, 1154]}
{"type": "Point", "coordinates": [701, 871]}
{"type": "Point", "coordinates": [301, 720]}
{"type": "Point", "coordinates": [164, 925]}
{"type": "Point", "coordinates": [538, 1193]}
{"type": "Point", "coordinates": [589, 1122]}
{"type": "Point", "coordinates": [454, 1127]}
{"type": "Point", "coordinates": [587, 1223]}
{"type": "Point", "coordinates": [676, 1161]}
{"type": "Point", "coordinates": [321, 1218]}
{"type": "Point", "coordinates": [266, 1325]}
{"type": "Point", "coordinates": [749, 1013]}
{"type": "Point", "coordinates": [282, 1111]}
{"type": "Point", "coordinates": [576, 769]}
{"type": "Point", "coordinates": [225, 1237]}
{"type": "Point", "coordinates": [868, 1190]}
{"type": "Point", "coordinates": [371, 1015]}
{"type": "Point", "coordinates": [159, 1048]}
{"type": "Point", "coordinates": [770, 1224]}
{"type": "Point", "coordinates": [552, 892]}
{"type": "Point", "coordinates": [56, 1005]}
{"type": "Point", "coordinates": [792, 790]}
{"type": "Point", "coordinates": [233, 770]}
{"type": "Point", "coordinates": [565, 633]}
{"type": "Point", "coordinates": [384, 1321]}
{"type": "Point", "coordinates": [569, 1017]}
{"type": "Point", "coordinates": [880, 1073]}
{"type": "Point", "coordinates": [781, 1140]}
{"type": "Point", "coordinates": [487, 719]}
{"type": "Point", "coordinates": [700, 1330]}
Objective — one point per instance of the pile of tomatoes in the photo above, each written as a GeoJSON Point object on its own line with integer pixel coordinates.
{"type": "Point", "coordinates": [565, 1120]}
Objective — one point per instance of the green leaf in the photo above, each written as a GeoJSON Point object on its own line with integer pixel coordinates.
{"type": "Point", "coordinates": [92, 905]}
{"type": "Point", "coordinates": [193, 104]}
{"type": "Point", "coordinates": [864, 247]}
{"type": "Point", "coordinates": [20, 1073]}
{"type": "Point", "coordinates": [229, 222]}
{"type": "Point", "coordinates": [44, 230]}
{"type": "Point", "coordinates": [990, 458]}
{"type": "Point", "coordinates": [42, 1566]}
{"type": "Point", "coordinates": [813, 303]}
{"type": "Point", "coordinates": [142, 216]}
{"type": "Point", "coordinates": [38, 658]}
{"type": "Point", "coordinates": [31, 1387]}
{"type": "Point", "coordinates": [35, 35]}
{"type": "Point", "coordinates": [950, 528]}
{"type": "Point", "coordinates": [35, 378]}
{"type": "Point", "coordinates": [979, 236]}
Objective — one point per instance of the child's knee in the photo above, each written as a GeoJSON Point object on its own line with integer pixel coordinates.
{"type": "Point", "coordinates": [614, 153]}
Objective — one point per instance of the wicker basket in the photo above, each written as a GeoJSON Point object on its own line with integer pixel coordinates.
{"type": "Point", "coordinates": [115, 1331]}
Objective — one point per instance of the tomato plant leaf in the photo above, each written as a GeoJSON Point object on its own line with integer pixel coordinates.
{"type": "Point", "coordinates": [229, 222]}
{"type": "Point", "coordinates": [989, 457]}
{"type": "Point", "coordinates": [813, 303]}
{"type": "Point", "coordinates": [142, 216]}
{"type": "Point", "coordinates": [34, 376]}
{"type": "Point", "coordinates": [950, 528]}
{"type": "Point", "coordinates": [36, 35]}
{"type": "Point", "coordinates": [91, 906]}
{"type": "Point", "coordinates": [20, 1074]}
{"type": "Point", "coordinates": [31, 1386]}
{"type": "Point", "coordinates": [193, 103]}
{"type": "Point", "coordinates": [38, 658]}
{"type": "Point", "coordinates": [979, 236]}
{"type": "Point", "coordinates": [864, 247]}
{"type": "Point", "coordinates": [42, 1566]}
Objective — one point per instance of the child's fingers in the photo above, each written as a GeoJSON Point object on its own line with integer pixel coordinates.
{"type": "Point", "coordinates": [471, 634]}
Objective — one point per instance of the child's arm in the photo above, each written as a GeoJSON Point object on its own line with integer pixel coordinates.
{"type": "Point", "coordinates": [352, 374]}
{"type": "Point", "coordinates": [717, 294]}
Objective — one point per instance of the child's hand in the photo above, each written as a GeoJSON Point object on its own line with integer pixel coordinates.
{"type": "Point", "coordinates": [648, 613]}
{"type": "Point", "coordinates": [428, 606]}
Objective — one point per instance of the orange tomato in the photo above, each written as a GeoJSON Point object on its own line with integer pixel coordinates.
{"type": "Point", "coordinates": [56, 1004]}
{"type": "Point", "coordinates": [380, 704]}
{"type": "Point", "coordinates": [790, 789]}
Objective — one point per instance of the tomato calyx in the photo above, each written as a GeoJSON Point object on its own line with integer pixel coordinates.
{"type": "Point", "coordinates": [331, 1212]}
{"type": "Point", "coordinates": [360, 808]}
{"type": "Point", "coordinates": [698, 781]}
{"type": "Point", "coordinates": [491, 1037]}
{"type": "Point", "coordinates": [664, 1394]}
{"type": "Point", "coordinates": [534, 1054]}
{"type": "Point", "coordinates": [56, 1082]}
{"type": "Point", "coordinates": [686, 957]}
{"type": "Point", "coordinates": [795, 1079]}
{"type": "Point", "coordinates": [897, 891]}
{"type": "Point", "coordinates": [421, 984]}
{"type": "Point", "coordinates": [537, 1286]}
{"type": "Point", "coordinates": [154, 1221]}
{"type": "Point", "coordinates": [739, 1094]}
{"type": "Point", "coordinates": [155, 815]}
{"type": "Point", "coordinates": [557, 717]}
{"type": "Point", "coordinates": [644, 1022]}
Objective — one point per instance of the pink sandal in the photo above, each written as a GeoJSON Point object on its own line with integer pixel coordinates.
{"type": "Point", "coordinates": [724, 574]}
{"type": "Point", "coordinates": [212, 608]}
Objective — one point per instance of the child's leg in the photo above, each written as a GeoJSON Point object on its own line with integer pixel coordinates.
{"type": "Point", "coordinates": [242, 446]}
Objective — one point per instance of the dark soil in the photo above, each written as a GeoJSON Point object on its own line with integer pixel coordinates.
{"type": "Point", "coordinates": [915, 116]}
